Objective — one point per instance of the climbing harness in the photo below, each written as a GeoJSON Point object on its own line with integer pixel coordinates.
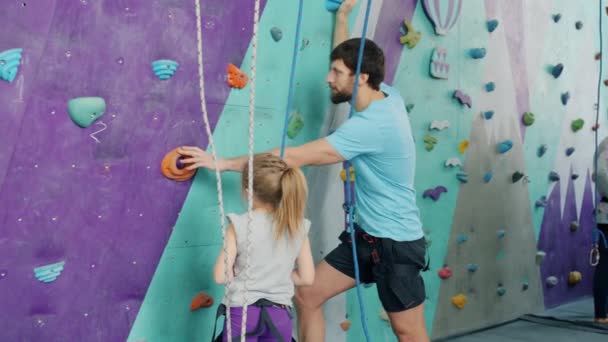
{"type": "Point", "coordinates": [349, 205]}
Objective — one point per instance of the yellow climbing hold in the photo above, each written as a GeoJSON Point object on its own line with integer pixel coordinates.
{"type": "Point", "coordinates": [459, 300]}
{"type": "Point", "coordinates": [383, 315]}
{"type": "Point", "coordinates": [463, 146]}
{"type": "Point", "coordinates": [412, 37]}
{"type": "Point", "coordinates": [575, 277]}
{"type": "Point", "coordinates": [352, 174]}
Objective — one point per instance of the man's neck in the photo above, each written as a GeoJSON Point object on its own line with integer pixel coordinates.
{"type": "Point", "coordinates": [366, 96]}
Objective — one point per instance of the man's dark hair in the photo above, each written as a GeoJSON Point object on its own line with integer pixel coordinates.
{"type": "Point", "coordinates": [372, 63]}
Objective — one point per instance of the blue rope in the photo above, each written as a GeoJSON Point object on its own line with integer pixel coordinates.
{"type": "Point", "coordinates": [597, 120]}
{"type": "Point", "coordinates": [350, 206]}
{"type": "Point", "coordinates": [293, 72]}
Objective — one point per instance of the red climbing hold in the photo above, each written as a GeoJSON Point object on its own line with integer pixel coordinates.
{"type": "Point", "coordinates": [445, 273]}
{"type": "Point", "coordinates": [201, 300]}
{"type": "Point", "coordinates": [598, 56]}
{"type": "Point", "coordinates": [595, 127]}
{"type": "Point", "coordinates": [236, 78]}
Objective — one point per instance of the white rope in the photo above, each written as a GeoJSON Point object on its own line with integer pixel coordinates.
{"type": "Point", "coordinates": [201, 81]}
{"type": "Point", "coordinates": [254, 44]}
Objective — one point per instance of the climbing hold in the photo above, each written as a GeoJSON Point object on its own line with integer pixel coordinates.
{"type": "Point", "coordinates": [412, 37]}
{"type": "Point", "coordinates": [516, 176]}
{"type": "Point", "coordinates": [557, 17]}
{"type": "Point", "coordinates": [541, 202]}
{"type": "Point", "coordinates": [201, 300]}
{"type": "Point", "coordinates": [276, 34]}
{"type": "Point", "coordinates": [574, 176]}
{"type": "Point", "coordinates": [463, 177]}
{"type": "Point", "coordinates": [540, 257]}
{"type": "Point", "coordinates": [409, 107]}
{"type": "Point", "coordinates": [296, 123]}
{"type": "Point", "coordinates": [574, 226]}
{"type": "Point", "coordinates": [553, 176]}
{"type": "Point", "coordinates": [569, 151]}
{"type": "Point", "coordinates": [164, 68]}
{"type": "Point", "coordinates": [333, 5]}
{"type": "Point", "coordinates": [541, 150]}
{"type": "Point", "coordinates": [577, 124]}
{"type": "Point", "coordinates": [574, 278]}
{"type": "Point", "coordinates": [85, 110]}
{"type": "Point", "coordinates": [606, 83]}
{"type": "Point", "coordinates": [501, 233]}
{"type": "Point", "coordinates": [598, 56]}
{"type": "Point", "coordinates": [429, 142]}
{"type": "Point", "coordinates": [488, 114]}
{"type": "Point", "coordinates": [551, 281]}
{"type": "Point", "coordinates": [345, 325]}
{"type": "Point", "coordinates": [305, 43]}
{"type": "Point", "coordinates": [565, 98]}
{"type": "Point", "coordinates": [490, 86]}
{"type": "Point", "coordinates": [459, 300]}
{"type": "Point", "coordinates": [487, 177]}
{"type": "Point", "coordinates": [557, 70]}
{"type": "Point", "coordinates": [236, 78]}
{"type": "Point", "coordinates": [445, 273]}
{"type": "Point", "coordinates": [463, 146]}
{"type": "Point", "coordinates": [435, 193]}
{"type": "Point", "coordinates": [578, 25]}
{"type": "Point", "coordinates": [528, 118]}
{"type": "Point", "coordinates": [505, 146]}
{"type": "Point", "coordinates": [49, 273]}
{"type": "Point", "coordinates": [443, 14]}
{"type": "Point", "coordinates": [172, 168]}
{"type": "Point", "coordinates": [383, 315]}
{"type": "Point", "coordinates": [439, 65]}
{"type": "Point", "coordinates": [352, 174]}
{"type": "Point", "coordinates": [9, 64]}
{"type": "Point", "coordinates": [462, 238]}
{"type": "Point", "coordinates": [525, 285]}
{"type": "Point", "coordinates": [595, 127]}
{"type": "Point", "coordinates": [472, 268]}
{"type": "Point", "coordinates": [463, 98]}
{"type": "Point", "coordinates": [439, 125]}
{"type": "Point", "coordinates": [478, 53]}
{"type": "Point", "coordinates": [451, 162]}
{"type": "Point", "coordinates": [501, 290]}
{"type": "Point", "coordinates": [492, 25]}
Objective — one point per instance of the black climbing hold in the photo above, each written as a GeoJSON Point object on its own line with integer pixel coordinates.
{"type": "Point", "coordinates": [557, 17]}
{"type": "Point", "coordinates": [579, 25]}
{"type": "Point", "coordinates": [517, 176]}
{"type": "Point", "coordinates": [557, 70]}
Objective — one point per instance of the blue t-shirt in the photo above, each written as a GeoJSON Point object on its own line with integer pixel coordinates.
{"type": "Point", "coordinates": [378, 142]}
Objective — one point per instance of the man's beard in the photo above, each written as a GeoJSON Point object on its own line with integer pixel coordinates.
{"type": "Point", "coordinates": [340, 97]}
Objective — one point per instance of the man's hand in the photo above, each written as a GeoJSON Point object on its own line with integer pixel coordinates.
{"type": "Point", "coordinates": [341, 29]}
{"type": "Point", "coordinates": [197, 158]}
{"type": "Point", "coordinates": [346, 7]}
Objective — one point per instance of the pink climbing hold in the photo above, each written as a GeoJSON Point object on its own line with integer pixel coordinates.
{"type": "Point", "coordinates": [463, 98]}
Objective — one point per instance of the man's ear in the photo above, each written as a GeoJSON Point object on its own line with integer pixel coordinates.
{"type": "Point", "coordinates": [363, 78]}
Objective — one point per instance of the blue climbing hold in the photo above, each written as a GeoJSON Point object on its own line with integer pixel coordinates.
{"type": "Point", "coordinates": [462, 238]}
{"type": "Point", "coordinates": [9, 64]}
{"type": "Point", "coordinates": [501, 233]}
{"type": "Point", "coordinates": [463, 177]}
{"type": "Point", "coordinates": [553, 176]}
{"type": "Point", "coordinates": [490, 86]}
{"type": "Point", "coordinates": [557, 17]}
{"type": "Point", "coordinates": [276, 34]}
{"type": "Point", "coordinates": [478, 53]}
{"type": "Point", "coordinates": [578, 25]}
{"type": "Point", "coordinates": [505, 146]}
{"type": "Point", "coordinates": [557, 70]}
{"type": "Point", "coordinates": [164, 68]}
{"type": "Point", "coordinates": [487, 177]}
{"type": "Point", "coordinates": [85, 110]}
{"type": "Point", "coordinates": [472, 268]}
{"type": "Point", "coordinates": [565, 98]}
{"type": "Point", "coordinates": [569, 151]}
{"type": "Point", "coordinates": [525, 285]}
{"type": "Point", "coordinates": [541, 202]}
{"type": "Point", "coordinates": [49, 273]}
{"type": "Point", "coordinates": [542, 149]}
{"type": "Point", "coordinates": [501, 291]}
{"type": "Point", "coordinates": [333, 5]}
{"type": "Point", "coordinates": [488, 114]}
{"type": "Point", "coordinates": [492, 25]}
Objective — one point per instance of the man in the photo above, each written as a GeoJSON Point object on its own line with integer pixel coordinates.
{"type": "Point", "coordinates": [378, 142]}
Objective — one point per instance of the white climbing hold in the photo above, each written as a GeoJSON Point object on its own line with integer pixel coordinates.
{"type": "Point", "coordinates": [451, 162]}
{"type": "Point", "coordinates": [384, 316]}
{"type": "Point", "coordinates": [439, 125]}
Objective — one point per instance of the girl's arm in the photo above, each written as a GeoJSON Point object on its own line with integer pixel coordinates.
{"type": "Point", "coordinates": [304, 274]}
{"type": "Point", "coordinates": [219, 274]}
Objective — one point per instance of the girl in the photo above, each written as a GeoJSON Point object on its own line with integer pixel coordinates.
{"type": "Point", "coordinates": [278, 240]}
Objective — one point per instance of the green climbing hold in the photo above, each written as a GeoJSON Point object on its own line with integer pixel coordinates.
{"type": "Point", "coordinates": [85, 110]}
{"type": "Point", "coordinates": [528, 118]}
{"type": "Point", "coordinates": [296, 123]}
{"type": "Point", "coordinates": [409, 107]}
{"type": "Point", "coordinates": [577, 125]}
{"type": "Point", "coordinates": [429, 142]}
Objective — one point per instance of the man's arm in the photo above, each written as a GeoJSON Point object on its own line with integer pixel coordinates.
{"type": "Point", "coordinates": [341, 30]}
{"type": "Point", "coordinates": [317, 152]}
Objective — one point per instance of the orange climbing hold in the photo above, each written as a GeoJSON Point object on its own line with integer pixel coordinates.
{"type": "Point", "coordinates": [345, 325]}
{"type": "Point", "coordinates": [201, 300]}
{"type": "Point", "coordinates": [459, 300]}
{"type": "Point", "coordinates": [463, 146]}
{"type": "Point", "coordinates": [170, 169]}
{"type": "Point", "coordinates": [236, 78]}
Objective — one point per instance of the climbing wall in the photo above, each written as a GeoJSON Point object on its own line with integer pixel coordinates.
{"type": "Point", "coordinates": [96, 244]}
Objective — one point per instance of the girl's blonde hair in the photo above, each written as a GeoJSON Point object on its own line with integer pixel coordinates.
{"type": "Point", "coordinates": [283, 187]}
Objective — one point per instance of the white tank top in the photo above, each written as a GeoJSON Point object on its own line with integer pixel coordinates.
{"type": "Point", "coordinates": [270, 261]}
